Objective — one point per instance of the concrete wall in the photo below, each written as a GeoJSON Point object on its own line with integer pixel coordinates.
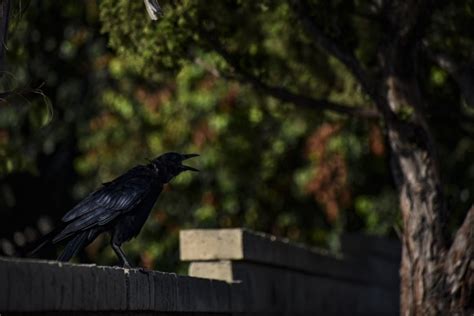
{"type": "Point", "coordinates": [232, 271]}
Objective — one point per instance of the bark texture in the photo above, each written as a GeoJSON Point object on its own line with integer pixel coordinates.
{"type": "Point", "coordinates": [422, 207]}
{"type": "Point", "coordinates": [435, 279]}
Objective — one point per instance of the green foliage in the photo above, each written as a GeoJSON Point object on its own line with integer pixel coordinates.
{"type": "Point", "coordinates": [123, 89]}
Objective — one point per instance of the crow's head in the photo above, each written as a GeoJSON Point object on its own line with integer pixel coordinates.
{"type": "Point", "coordinates": [169, 165]}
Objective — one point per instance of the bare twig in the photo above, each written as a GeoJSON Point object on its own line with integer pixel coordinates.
{"type": "Point", "coordinates": [22, 92]}
{"type": "Point", "coordinates": [153, 9]}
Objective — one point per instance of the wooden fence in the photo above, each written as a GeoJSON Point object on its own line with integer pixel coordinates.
{"type": "Point", "coordinates": [232, 271]}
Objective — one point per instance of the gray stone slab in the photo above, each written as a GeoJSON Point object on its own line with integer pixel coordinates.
{"type": "Point", "coordinates": [245, 245]}
{"type": "Point", "coordinates": [216, 270]}
{"type": "Point", "coordinates": [211, 244]}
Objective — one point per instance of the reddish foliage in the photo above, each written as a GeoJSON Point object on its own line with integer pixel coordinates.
{"type": "Point", "coordinates": [153, 100]}
{"type": "Point", "coordinates": [229, 101]}
{"type": "Point", "coordinates": [160, 216]}
{"type": "Point", "coordinates": [202, 134]}
{"type": "Point", "coordinates": [4, 136]}
{"type": "Point", "coordinates": [376, 141]}
{"type": "Point", "coordinates": [329, 185]}
{"type": "Point", "coordinates": [147, 260]}
{"type": "Point", "coordinates": [207, 83]}
{"type": "Point", "coordinates": [208, 198]}
{"type": "Point", "coordinates": [317, 142]}
{"type": "Point", "coordinates": [102, 120]}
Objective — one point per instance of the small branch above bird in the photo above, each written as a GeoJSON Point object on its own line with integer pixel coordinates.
{"type": "Point", "coordinates": [153, 9]}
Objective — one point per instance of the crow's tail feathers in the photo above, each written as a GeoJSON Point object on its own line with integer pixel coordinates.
{"type": "Point", "coordinates": [73, 246]}
{"type": "Point", "coordinates": [40, 243]}
{"type": "Point", "coordinates": [71, 249]}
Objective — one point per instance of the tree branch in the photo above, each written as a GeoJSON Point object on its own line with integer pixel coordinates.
{"type": "Point", "coordinates": [4, 16]}
{"type": "Point", "coordinates": [21, 92]}
{"type": "Point", "coordinates": [312, 103]}
{"type": "Point", "coordinates": [463, 74]}
{"type": "Point", "coordinates": [153, 9]}
{"type": "Point", "coordinates": [333, 48]}
{"type": "Point", "coordinates": [459, 265]}
{"type": "Point", "coordinates": [284, 94]}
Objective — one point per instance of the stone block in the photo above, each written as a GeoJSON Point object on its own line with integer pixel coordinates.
{"type": "Point", "coordinates": [217, 270]}
{"type": "Point", "coordinates": [245, 245]}
{"type": "Point", "coordinates": [211, 244]}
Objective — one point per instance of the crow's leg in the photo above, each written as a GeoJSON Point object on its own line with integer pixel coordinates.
{"type": "Point", "coordinates": [144, 270]}
{"type": "Point", "coordinates": [120, 254]}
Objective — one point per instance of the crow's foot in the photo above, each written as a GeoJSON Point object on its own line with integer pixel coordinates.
{"type": "Point", "coordinates": [144, 270]}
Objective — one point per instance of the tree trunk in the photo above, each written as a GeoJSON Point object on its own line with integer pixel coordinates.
{"type": "Point", "coordinates": [421, 203]}
{"type": "Point", "coordinates": [435, 279]}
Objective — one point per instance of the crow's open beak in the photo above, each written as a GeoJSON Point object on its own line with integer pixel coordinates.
{"type": "Point", "coordinates": [188, 156]}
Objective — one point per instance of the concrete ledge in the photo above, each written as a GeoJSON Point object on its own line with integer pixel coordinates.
{"type": "Point", "coordinates": [211, 244]}
{"type": "Point", "coordinates": [244, 245]}
{"type": "Point", "coordinates": [217, 270]}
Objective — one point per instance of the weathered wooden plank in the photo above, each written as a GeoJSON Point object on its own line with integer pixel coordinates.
{"type": "Point", "coordinates": [262, 274]}
{"type": "Point", "coordinates": [35, 285]}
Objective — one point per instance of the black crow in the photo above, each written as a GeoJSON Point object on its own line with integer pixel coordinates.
{"type": "Point", "coordinates": [120, 207]}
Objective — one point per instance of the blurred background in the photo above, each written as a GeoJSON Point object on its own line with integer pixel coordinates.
{"type": "Point", "coordinates": [98, 88]}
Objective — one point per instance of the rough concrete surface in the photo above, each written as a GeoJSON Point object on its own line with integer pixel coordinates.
{"type": "Point", "coordinates": [211, 244]}
{"type": "Point", "coordinates": [216, 270]}
{"type": "Point", "coordinates": [243, 245]}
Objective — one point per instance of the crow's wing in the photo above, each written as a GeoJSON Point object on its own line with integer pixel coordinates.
{"type": "Point", "coordinates": [136, 176]}
{"type": "Point", "coordinates": [105, 204]}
